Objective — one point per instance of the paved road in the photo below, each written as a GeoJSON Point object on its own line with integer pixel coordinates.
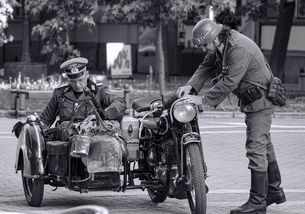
{"type": "Point", "coordinates": [228, 181]}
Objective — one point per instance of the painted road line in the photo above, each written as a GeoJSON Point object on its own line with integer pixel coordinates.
{"type": "Point", "coordinates": [241, 131]}
{"type": "Point", "coordinates": [228, 127]}
{"type": "Point", "coordinates": [237, 203]}
{"type": "Point", "coordinates": [239, 191]}
{"type": "Point", "coordinates": [239, 125]}
{"type": "Point", "coordinates": [7, 137]}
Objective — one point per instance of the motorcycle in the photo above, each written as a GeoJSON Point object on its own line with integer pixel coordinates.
{"type": "Point", "coordinates": [165, 156]}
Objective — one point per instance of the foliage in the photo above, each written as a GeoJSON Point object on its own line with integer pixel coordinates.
{"type": "Point", "coordinates": [6, 12]}
{"type": "Point", "coordinates": [258, 10]}
{"type": "Point", "coordinates": [150, 13]}
{"type": "Point", "coordinates": [60, 18]}
{"type": "Point", "coordinates": [156, 14]}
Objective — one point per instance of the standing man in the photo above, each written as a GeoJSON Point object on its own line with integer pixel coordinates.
{"type": "Point", "coordinates": [236, 64]}
{"type": "Point", "coordinates": [66, 99]}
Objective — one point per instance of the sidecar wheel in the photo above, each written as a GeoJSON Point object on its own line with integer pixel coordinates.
{"type": "Point", "coordinates": [33, 190]}
{"type": "Point", "coordinates": [158, 195]}
{"type": "Point", "coordinates": [195, 175]}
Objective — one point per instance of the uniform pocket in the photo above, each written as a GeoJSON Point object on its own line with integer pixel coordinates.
{"type": "Point", "coordinates": [66, 109]}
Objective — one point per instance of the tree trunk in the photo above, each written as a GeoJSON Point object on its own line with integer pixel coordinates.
{"type": "Point", "coordinates": [25, 56]}
{"type": "Point", "coordinates": [160, 60]}
{"type": "Point", "coordinates": [281, 38]}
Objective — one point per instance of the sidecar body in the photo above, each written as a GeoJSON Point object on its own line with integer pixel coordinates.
{"type": "Point", "coordinates": [81, 164]}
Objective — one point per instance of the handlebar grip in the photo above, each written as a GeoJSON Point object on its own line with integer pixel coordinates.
{"type": "Point", "coordinates": [143, 109]}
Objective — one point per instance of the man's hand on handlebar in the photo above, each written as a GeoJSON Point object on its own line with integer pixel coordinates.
{"type": "Point", "coordinates": [196, 99]}
{"type": "Point", "coordinates": [184, 90]}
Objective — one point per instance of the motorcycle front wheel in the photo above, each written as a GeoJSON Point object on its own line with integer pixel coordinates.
{"type": "Point", "coordinates": [33, 190]}
{"type": "Point", "coordinates": [196, 193]}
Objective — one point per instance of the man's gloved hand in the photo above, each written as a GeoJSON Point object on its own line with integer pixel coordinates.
{"type": "Point", "coordinates": [111, 113]}
{"type": "Point", "coordinates": [183, 90]}
{"type": "Point", "coordinates": [196, 99]}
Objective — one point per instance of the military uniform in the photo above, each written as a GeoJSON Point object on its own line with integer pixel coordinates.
{"type": "Point", "coordinates": [241, 68]}
{"type": "Point", "coordinates": [64, 104]}
{"type": "Point", "coordinates": [71, 103]}
{"type": "Point", "coordinates": [246, 67]}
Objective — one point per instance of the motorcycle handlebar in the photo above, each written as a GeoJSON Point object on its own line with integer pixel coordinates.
{"type": "Point", "coordinates": [143, 109]}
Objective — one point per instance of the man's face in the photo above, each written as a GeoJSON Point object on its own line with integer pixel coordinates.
{"type": "Point", "coordinates": [211, 47]}
{"type": "Point", "coordinates": [79, 84]}
{"type": "Point", "coordinates": [199, 43]}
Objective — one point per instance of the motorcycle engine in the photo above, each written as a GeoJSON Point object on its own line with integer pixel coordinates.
{"type": "Point", "coordinates": [161, 173]}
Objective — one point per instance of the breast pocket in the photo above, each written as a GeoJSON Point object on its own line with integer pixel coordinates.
{"type": "Point", "coordinates": [67, 109]}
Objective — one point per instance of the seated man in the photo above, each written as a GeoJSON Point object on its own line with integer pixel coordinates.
{"type": "Point", "coordinates": [66, 100]}
{"type": "Point", "coordinates": [76, 105]}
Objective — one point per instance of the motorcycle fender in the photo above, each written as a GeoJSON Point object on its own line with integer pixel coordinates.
{"type": "Point", "coordinates": [191, 138]}
{"type": "Point", "coordinates": [194, 138]}
{"type": "Point", "coordinates": [30, 151]}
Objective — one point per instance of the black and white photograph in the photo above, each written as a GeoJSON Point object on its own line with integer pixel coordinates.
{"type": "Point", "coordinates": [152, 107]}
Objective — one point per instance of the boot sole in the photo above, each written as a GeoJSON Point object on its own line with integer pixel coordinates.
{"type": "Point", "coordinates": [278, 201]}
{"type": "Point", "coordinates": [255, 212]}
{"type": "Point", "coordinates": [281, 201]}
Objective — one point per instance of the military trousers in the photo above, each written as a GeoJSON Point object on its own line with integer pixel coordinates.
{"type": "Point", "coordinates": [259, 148]}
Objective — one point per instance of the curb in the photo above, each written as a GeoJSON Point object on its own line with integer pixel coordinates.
{"type": "Point", "coordinates": [237, 114]}
{"type": "Point", "coordinates": [203, 114]}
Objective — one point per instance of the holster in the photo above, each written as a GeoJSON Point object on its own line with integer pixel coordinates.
{"type": "Point", "coordinates": [250, 94]}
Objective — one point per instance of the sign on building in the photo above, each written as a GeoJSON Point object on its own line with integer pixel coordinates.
{"type": "Point", "coordinates": [119, 60]}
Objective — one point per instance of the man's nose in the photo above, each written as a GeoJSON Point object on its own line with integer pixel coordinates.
{"type": "Point", "coordinates": [78, 84]}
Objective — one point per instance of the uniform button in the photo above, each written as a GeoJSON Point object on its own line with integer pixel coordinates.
{"type": "Point", "coordinates": [75, 105]}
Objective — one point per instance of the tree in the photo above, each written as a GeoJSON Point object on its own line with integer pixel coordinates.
{"type": "Point", "coordinates": [281, 37]}
{"type": "Point", "coordinates": [6, 12]}
{"type": "Point", "coordinates": [258, 11]}
{"type": "Point", "coordinates": [157, 14]}
{"type": "Point", "coordinates": [59, 18]}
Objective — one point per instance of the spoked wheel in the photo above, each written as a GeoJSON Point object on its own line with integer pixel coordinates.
{"type": "Point", "coordinates": [33, 190]}
{"type": "Point", "coordinates": [196, 193]}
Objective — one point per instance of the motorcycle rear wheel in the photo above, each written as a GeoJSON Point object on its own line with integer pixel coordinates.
{"type": "Point", "coordinates": [33, 190]}
{"type": "Point", "coordinates": [195, 173]}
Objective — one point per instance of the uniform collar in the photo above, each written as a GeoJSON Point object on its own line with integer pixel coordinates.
{"type": "Point", "coordinates": [91, 85]}
{"type": "Point", "coordinates": [69, 93]}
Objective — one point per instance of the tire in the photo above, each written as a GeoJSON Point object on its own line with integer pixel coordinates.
{"type": "Point", "coordinates": [158, 195]}
{"type": "Point", "coordinates": [33, 190]}
{"type": "Point", "coordinates": [195, 174]}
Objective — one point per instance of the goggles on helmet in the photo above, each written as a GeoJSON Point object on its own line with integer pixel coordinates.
{"type": "Point", "coordinates": [199, 42]}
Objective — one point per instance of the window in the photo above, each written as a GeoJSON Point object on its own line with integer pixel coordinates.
{"type": "Point", "coordinates": [300, 6]}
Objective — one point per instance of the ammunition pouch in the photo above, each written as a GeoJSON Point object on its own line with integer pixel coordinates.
{"type": "Point", "coordinates": [277, 93]}
{"type": "Point", "coordinates": [250, 94]}
{"type": "Point", "coordinates": [57, 133]}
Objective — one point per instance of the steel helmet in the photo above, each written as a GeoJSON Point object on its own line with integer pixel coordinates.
{"type": "Point", "coordinates": [205, 31]}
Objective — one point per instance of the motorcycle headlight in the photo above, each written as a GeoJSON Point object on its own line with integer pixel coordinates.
{"type": "Point", "coordinates": [184, 112]}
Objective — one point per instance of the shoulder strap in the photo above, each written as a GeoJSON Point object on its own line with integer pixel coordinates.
{"type": "Point", "coordinates": [61, 99]}
{"type": "Point", "coordinates": [224, 58]}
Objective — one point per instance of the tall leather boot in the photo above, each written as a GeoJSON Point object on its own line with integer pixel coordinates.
{"type": "Point", "coordinates": [256, 204]}
{"type": "Point", "coordinates": [275, 192]}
